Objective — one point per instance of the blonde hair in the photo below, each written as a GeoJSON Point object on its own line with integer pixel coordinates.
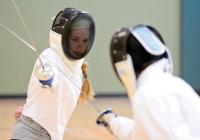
{"type": "Point", "coordinates": [87, 92]}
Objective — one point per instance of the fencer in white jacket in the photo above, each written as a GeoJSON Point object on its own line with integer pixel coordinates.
{"type": "Point", "coordinates": [57, 78]}
{"type": "Point", "coordinates": [164, 106]}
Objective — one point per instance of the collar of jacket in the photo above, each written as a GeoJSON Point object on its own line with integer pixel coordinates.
{"type": "Point", "coordinates": [162, 65]}
{"type": "Point", "coordinates": [55, 43]}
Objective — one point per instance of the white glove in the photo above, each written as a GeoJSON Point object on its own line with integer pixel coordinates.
{"type": "Point", "coordinates": [105, 118]}
{"type": "Point", "coordinates": [45, 74]}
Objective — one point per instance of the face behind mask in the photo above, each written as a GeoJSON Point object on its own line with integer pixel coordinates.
{"type": "Point", "coordinates": [77, 30]}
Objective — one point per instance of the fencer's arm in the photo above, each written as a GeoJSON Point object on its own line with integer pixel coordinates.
{"type": "Point", "coordinates": [120, 126]}
{"type": "Point", "coordinates": [44, 73]}
{"type": "Point", "coordinates": [18, 112]}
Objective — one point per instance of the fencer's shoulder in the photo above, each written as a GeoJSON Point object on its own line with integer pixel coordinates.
{"type": "Point", "coordinates": [48, 52]}
{"type": "Point", "coordinates": [154, 84]}
{"type": "Point", "coordinates": [184, 86]}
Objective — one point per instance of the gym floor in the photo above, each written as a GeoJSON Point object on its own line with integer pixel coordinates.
{"type": "Point", "coordinates": [82, 124]}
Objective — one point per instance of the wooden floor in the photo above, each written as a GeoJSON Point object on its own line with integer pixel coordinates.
{"type": "Point", "coordinates": [82, 123]}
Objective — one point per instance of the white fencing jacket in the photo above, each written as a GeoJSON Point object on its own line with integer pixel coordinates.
{"type": "Point", "coordinates": [164, 107]}
{"type": "Point", "coordinates": [52, 107]}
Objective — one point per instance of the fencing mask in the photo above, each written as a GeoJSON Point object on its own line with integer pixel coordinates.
{"type": "Point", "coordinates": [134, 47]}
{"type": "Point", "coordinates": [77, 30]}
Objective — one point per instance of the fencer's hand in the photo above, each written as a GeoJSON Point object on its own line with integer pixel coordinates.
{"type": "Point", "coordinates": [105, 118]}
{"type": "Point", "coordinates": [18, 112]}
{"type": "Point", "coordinates": [45, 74]}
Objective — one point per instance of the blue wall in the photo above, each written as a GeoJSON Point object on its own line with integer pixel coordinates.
{"type": "Point", "coordinates": [191, 42]}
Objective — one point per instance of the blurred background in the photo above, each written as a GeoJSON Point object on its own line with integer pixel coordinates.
{"type": "Point", "coordinates": [177, 21]}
